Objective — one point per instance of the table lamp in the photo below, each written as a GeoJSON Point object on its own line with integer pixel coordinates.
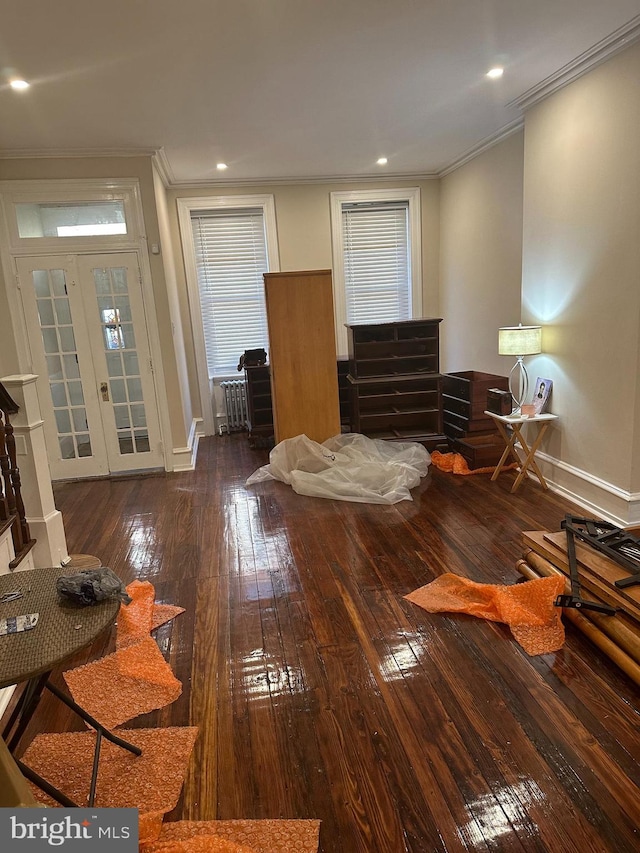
{"type": "Point", "coordinates": [519, 341]}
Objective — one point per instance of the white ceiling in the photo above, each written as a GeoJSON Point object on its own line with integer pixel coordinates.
{"type": "Point", "coordinates": [283, 89]}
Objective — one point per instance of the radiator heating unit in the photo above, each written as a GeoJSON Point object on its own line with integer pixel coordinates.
{"type": "Point", "coordinates": [235, 402]}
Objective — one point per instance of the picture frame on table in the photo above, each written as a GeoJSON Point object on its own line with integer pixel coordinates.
{"type": "Point", "coordinates": [541, 395]}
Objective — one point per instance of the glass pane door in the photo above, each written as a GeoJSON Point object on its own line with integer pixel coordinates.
{"type": "Point", "coordinates": [123, 365]}
{"type": "Point", "coordinates": [61, 354]}
{"type": "Point", "coordinates": [87, 334]}
{"type": "Point", "coordinates": [115, 316]}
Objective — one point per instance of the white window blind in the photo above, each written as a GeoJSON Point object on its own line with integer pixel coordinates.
{"type": "Point", "coordinates": [377, 262]}
{"type": "Point", "coordinates": [231, 256]}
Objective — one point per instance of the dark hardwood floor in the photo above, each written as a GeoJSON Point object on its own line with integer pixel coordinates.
{"type": "Point", "coordinates": [320, 692]}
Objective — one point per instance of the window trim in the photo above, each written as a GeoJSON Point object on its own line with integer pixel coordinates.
{"type": "Point", "coordinates": [408, 194]}
{"type": "Point", "coordinates": [72, 190]}
{"type": "Point", "coordinates": [185, 208]}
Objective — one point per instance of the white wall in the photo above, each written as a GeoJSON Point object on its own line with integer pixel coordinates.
{"type": "Point", "coordinates": [481, 257]}
{"type": "Point", "coordinates": [581, 275]}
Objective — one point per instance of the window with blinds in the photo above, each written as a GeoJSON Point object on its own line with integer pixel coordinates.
{"type": "Point", "coordinates": [231, 256]}
{"type": "Point", "coordinates": [377, 261]}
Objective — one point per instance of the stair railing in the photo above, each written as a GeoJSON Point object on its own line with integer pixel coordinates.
{"type": "Point", "coordinates": [11, 504]}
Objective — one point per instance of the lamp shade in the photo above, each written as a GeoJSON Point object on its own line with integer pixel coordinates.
{"type": "Point", "coordinates": [519, 340]}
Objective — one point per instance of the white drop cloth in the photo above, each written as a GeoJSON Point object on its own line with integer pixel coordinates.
{"type": "Point", "coordinates": [347, 467]}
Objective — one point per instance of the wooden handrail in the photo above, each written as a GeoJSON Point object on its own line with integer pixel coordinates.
{"type": "Point", "coordinates": [7, 403]}
{"type": "Point", "coordinates": [11, 504]}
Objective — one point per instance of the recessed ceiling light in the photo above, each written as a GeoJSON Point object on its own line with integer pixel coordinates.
{"type": "Point", "coordinates": [381, 161]}
{"type": "Point", "coordinates": [495, 73]}
{"type": "Point", "coordinates": [19, 84]}
{"type": "Point", "coordinates": [221, 166]}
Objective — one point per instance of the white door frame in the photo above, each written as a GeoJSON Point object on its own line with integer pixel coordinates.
{"type": "Point", "coordinates": [12, 247]}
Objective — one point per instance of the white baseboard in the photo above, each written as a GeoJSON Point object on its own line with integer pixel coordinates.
{"type": "Point", "coordinates": [184, 458]}
{"type": "Point", "coordinates": [602, 499]}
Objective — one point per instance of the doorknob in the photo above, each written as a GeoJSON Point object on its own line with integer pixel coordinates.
{"type": "Point", "coordinates": [104, 390]}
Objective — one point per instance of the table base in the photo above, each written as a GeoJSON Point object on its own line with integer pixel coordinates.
{"type": "Point", "coordinates": [20, 718]}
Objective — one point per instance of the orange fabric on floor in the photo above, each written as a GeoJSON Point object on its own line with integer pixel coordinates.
{"type": "Point", "coordinates": [199, 844]}
{"type": "Point", "coordinates": [164, 613]}
{"type": "Point", "coordinates": [150, 782]}
{"type": "Point", "coordinates": [456, 463]}
{"type": "Point", "coordinates": [256, 836]}
{"type": "Point", "coordinates": [120, 686]}
{"type": "Point", "coordinates": [527, 608]}
{"type": "Point", "coordinates": [149, 826]}
{"type": "Point", "coordinates": [135, 619]}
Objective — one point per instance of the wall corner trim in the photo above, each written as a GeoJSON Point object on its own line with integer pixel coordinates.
{"type": "Point", "coordinates": [184, 458]}
{"type": "Point", "coordinates": [482, 146]}
{"type": "Point", "coordinates": [615, 42]}
{"type": "Point", "coordinates": [163, 167]}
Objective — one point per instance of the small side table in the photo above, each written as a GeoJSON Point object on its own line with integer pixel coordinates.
{"type": "Point", "coordinates": [516, 422]}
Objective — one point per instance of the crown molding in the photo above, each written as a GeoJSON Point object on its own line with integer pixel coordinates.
{"type": "Point", "coordinates": [324, 179]}
{"type": "Point", "coordinates": [71, 153]}
{"type": "Point", "coordinates": [482, 146]}
{"type": "Point", "coordinates": [165, 170]}
{"type": "Point", "coordinates": [615, 42]}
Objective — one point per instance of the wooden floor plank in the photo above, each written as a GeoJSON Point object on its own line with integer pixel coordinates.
{"type": "Point", "coordinates": [320, 692]}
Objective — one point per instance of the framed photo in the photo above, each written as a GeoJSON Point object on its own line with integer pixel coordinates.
{"type": "Point", "coordinates": [541, 395]}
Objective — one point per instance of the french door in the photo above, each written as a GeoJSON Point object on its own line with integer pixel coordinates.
{"type": "Point", "coordinates": [88, 338]}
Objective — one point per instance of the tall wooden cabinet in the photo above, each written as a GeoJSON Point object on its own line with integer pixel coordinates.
{"type": "Point", "coordinates": [396, 387]}
{"type": "Point", "coordinates": [302, 354]}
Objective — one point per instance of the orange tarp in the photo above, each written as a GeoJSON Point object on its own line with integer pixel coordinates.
{"type": "Point", "coordinates": [150, 782]}
{"type": "Point", "coordinates": [237, 836]}
{"type": "Point", "coordinates": [198, 844]}
{"type": "Point", "coordinates": [527, 608]}
{"type": "Point", "coordinates": [164, 613]}
{"type": "Point", "coordinates": [136, 672]}
{"type": "Point", "coordinates": [455, 463]}
{"type": "Point", "coordinates": [131, 681]}
{"type": "Point", "coordinates": [137, 619]}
